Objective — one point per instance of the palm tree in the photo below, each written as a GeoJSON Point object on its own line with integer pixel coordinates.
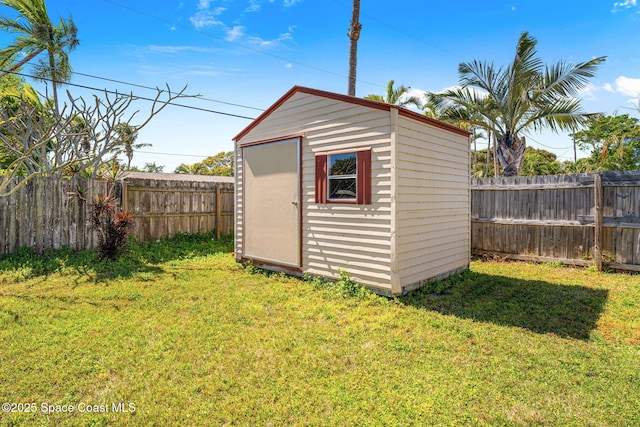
{"type": "Point", "coordinates": [396, 96]}
{"type": "Point", "coordinates": [35, 35]}
{"type": "Point", "coordinates": [525, 95]}
{"type": "Point", "coordinates": [435, 108]}
{"type": "Point", "coordinates": [354, 35]}
{"type": "Point", "coordinates": [194, 169]}
{"type": "Point", "coordinates": [127, 135]}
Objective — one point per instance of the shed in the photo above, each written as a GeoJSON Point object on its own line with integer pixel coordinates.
{"type": "Point", "coordinates": [328, 182]}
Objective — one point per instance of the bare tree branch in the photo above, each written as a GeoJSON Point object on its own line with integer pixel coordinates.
{"type": "Point", "coordinates": [81, 137]}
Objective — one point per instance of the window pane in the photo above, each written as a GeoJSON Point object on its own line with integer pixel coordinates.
{"type": "Point", "coordinates": [342, 164]}
{"type": "Point", "coordinates": [342, 188]}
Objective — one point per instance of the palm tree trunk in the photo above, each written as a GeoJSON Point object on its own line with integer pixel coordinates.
{"type": "Point", "coordinates": [475, 151]}
{"type": "Point", "coordinates": [495, 155]}
{"type": "Point", "coordinates": [19, 64]}
{"type": "Point", "coordinates": [510, 150]}
{"type": "Point", "coordinates": [354, 35]}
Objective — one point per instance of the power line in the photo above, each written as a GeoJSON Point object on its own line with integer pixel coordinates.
{"type": "Point", "coordinates": [155, 88]}
{"type": "Point", "coordinates": [184, 27]}
{"type": "Point", "coordinates": [191, 107]}
{"type": "Point", "coordinates": [172, 154]}
{"type": "Point", "coordinates": [400, 31]}
{"type": "Point", "coordinates": [548, 146]}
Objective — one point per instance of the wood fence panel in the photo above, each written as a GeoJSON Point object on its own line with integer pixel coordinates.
{"type": "Point", "coordinates": [557, 217]}
{"type": "Point", "coordinates": [164, 208]}
{"type": "Point", "coordinates": [52, 212]}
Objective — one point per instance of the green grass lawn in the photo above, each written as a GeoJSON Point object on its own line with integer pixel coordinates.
{"type": "Point", "coordinates": [177, 333]}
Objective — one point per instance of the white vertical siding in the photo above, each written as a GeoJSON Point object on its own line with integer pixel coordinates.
{"type": "Point", "coordinates": [239, 197]}
{"type": "Point", "coordinates": [433, 228]}
{"type": "Point", "coordinates": [417, 227]}
{"type": "Point", "coordinates": [335, 236]}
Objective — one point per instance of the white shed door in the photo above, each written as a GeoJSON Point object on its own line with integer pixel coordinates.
{"type": "Point", "coordinates": [271, 201]}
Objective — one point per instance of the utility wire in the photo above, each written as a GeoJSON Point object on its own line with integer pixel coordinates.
{"type": "Point", "coordinates": [548, 146]}
{"type": "Point", "coordinates": [155, 88]}
{"type": "Point", "coordinates": [187, 28]}
{"type": "Point", "coordinates": [173, 154]}
{"type": "Point", "coordinates": [191, 107]}
{"type": "Point", "coordinates": [400, 31]}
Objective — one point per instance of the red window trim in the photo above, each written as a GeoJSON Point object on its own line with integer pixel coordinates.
{"type": "Point", "coordinates": [363, 161]}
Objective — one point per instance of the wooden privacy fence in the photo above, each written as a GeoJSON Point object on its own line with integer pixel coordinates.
{"type": "Point", "coordinates": [582, 219]}
{"type": "Point", "coordinates": [52, 212]}
{"type": "Point", "coordinates": [164, 208]}
{"type": "Point", "coordinates": [48, 213]}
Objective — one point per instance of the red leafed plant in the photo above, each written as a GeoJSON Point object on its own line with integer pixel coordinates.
{"type": "Point", "coordinates": [113, 227]}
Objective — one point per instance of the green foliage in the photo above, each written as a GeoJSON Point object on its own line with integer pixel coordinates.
{"type": "Point", "coordinates": [344, 287]}
{"type": "Point", "coordinates": [13, 92]}
{"type": "Point", "coordinates": [26, 264]}
{"type": "Point", "coordinates": [537, 162]}
{"type": "Point", "coordinates": [113, 227]}
{"type": "Point", "coordinates": [482, 170]}
{"type": "Point", "coordinates": [540, 162]}
{"type": "Point", "coordinates": [555, 264]}
{"type": "Point", "coordinates": [524, 95]}
{"type": "Point", "coordinates": [222, 164]}
{"type": "Point", "coordinates": [396, 96]}
{"type": "Point", "coordinates": [192, 336]}
{"type": "Point", "coordinates": [152, 167]}
{"type": "Point", "coordinates": [347, 288]}
{"type": "Point", "coordinates": [614, 143]}
{"type": "Point", "coordinates": [37, 38]}
{"type": "Point", "coordinates": [127, 135]}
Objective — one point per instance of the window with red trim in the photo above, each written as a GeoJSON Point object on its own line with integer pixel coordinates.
{"type": "Point", "coordinates": [344, 177]}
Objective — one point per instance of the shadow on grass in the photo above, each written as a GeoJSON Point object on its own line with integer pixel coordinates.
{"type": "Point", "coordinates": [541, 307]}
{"type": "Point", "coordinates": [142, 257]}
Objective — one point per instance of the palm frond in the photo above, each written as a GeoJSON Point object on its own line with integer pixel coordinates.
{"type": "Point", "coordinates": [374, 97]}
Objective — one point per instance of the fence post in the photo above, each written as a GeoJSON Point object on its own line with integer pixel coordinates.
{"type": "Point", "coordinates": [218, 210]}
{"type": "Point", "coordinates": [124, 204]}
{"type": "Point", "coordinates": [597, 220]}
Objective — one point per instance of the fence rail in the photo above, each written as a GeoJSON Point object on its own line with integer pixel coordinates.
{"type": "Point", "coordinates": [164, 208]}
{"type": "Point", "coordinates": [579, 219]}
{"type": "Point", "coordinates": [52, 212]}
{"type": "Point", "coordinates": [48, 213]}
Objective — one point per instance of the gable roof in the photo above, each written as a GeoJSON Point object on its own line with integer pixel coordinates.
{"type": "Point", "coordinates": [353, 100]}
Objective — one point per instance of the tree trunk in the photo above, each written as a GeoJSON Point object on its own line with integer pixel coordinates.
{"type": "Point", "coordinates": [354, 35]}
{"type": "Point", "coordinates": [496, 170]}
{"type": "Point", "coordinates": [19, 64]}
{"type": "Point", "coordinates": [510, 150]}
{"type": "Point", "coordinates": [475, 151]}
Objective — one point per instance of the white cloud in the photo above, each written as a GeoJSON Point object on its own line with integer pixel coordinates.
{"type": "Point", "coordinates": [588, 92]}
{"type": "Point", "coordinates": [203, 72]}
{"type": "Point", "coordinates": [235, 33]}
{"type": "Point", "coordinates": [289, 65]}
{"type": "Point", "coordinates": [206, 18]}
{"type": "Point", "coordinates": [254, 6]}
{"type": "Point", "coordinates": [608, 87]}
{"type": "Point", "coordinates": [270, 43]}
{"type": "Point", "coordinates": [628, 86]}
{"type": "Point", "coordinates": [626, 4]}
{"type": "Point", "coordinates": [176, 49]}
{"type": "Point", "coordinates": [207, 15]}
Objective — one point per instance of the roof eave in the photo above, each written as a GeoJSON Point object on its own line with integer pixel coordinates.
{"type": "Point", "coordinates": [350, 99]}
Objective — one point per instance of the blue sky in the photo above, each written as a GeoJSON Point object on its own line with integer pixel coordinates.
{"type": "Point", "coordinates": [250, 52]}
